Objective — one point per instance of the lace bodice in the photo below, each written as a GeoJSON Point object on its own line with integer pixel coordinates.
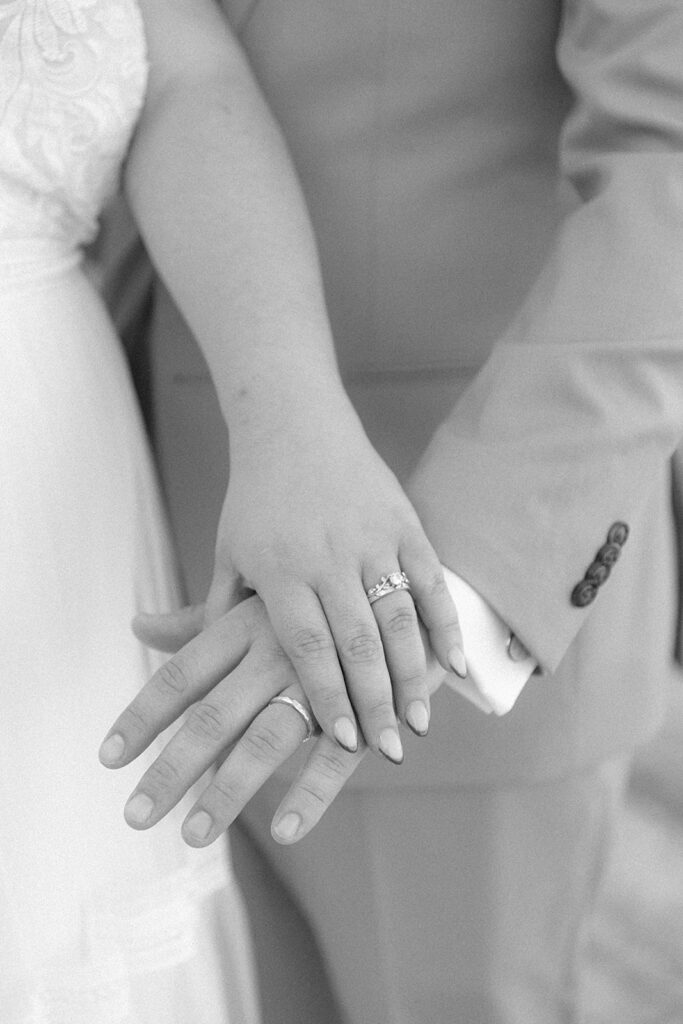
{"type": "Point", "coordinates": [72, 81]}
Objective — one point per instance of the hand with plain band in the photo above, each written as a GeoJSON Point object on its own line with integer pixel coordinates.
{"type": "Point", "coordinates": [312, 520]}
{"type": "Point", "coordinates": [302, 711]}
{"type": "Point", "coordinates": [246, 711]}
{"type": "Point", "coordinates": [275, 734]}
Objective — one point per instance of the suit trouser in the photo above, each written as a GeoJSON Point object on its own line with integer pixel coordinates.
{"type": "Point", "coordinates": [447, 906]}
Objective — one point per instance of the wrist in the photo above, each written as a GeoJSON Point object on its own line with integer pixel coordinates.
{"type": "Point", "coordinates": [277, 416]}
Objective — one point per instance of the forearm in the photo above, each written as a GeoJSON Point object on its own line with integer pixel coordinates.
{"type": "Point", "coordinates": [218, 203]}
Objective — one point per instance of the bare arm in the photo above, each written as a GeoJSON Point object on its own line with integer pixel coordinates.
{"type": "Point", "coordinates": [217, 199]}
{"type": "Point", "coordinates": [313, 517]}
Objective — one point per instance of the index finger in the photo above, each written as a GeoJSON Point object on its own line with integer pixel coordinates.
{"type": "Point", "coordinates": [181, 681]}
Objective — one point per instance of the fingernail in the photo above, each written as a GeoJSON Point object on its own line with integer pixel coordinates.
{"type": "Point", "coordinates": [456, 659]}
{"type": "Point", "coordinates": [516, 649]}
{"type": "Point", "coordinates": [390, 745]}
{"type": "Point", "coordinates": [112, 749]}
{"type": "Point", "coordinates": [139, 809]}
{"type": "Point", "coordinates": [198, 825]}
{"type": "Point", "coordinates": [345, 733]}
{"type": "Point", "coordinates": [417, 717]}
{"type": "Point", "coordinates": [288, 826]}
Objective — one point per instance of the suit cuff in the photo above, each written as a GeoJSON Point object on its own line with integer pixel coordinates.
{"type": "Point", "coordinates": [494, 680]}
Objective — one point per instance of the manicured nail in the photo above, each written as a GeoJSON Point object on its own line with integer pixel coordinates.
{"type": "Point", "coordinates": [417, 717]}
{"type": "Point", "coordinates": [456, 659]}
{"type": "Point", "coordinates": [288, 826]}
{"type": "Point", "coordinates": [345, 733]}
{"type": "Point", "coordinates": [390, 745]}
{"type": "Point", "coordinates": [112, 749]}
{"type": "Point", "coordinates": [139, 809]}
{"type": "Point", "coordinates": [198, 825]}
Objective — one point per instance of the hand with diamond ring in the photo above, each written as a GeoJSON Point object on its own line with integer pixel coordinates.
{"type": "Point", "coordinates": [319, 527]}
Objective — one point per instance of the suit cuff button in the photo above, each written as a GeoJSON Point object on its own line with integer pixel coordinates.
{"type": "Point", "coordinates": [583, 594]}
{"type": "Point", "coordinates": [608, 554]}
{"type": "Point", "coordinates": [618, 534]}
{"type": "Point", "coordinates": [597, 573]}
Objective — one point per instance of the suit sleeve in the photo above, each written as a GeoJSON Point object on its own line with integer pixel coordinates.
{"type": "Point", "coordinates": [528, 488]}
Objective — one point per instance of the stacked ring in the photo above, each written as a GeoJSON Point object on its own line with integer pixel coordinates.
{"type": "Point", "coordinates": [387, 585]}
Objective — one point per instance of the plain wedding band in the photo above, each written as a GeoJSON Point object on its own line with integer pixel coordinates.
{"type": "Point", "coordinates": [300, 710]}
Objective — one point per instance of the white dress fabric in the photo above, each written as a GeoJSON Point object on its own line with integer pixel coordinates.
{"type": "Point", "coordinates": [98, 924]}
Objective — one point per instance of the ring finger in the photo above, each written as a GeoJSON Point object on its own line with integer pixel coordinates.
{"type": "Point", "coordinates": [403, 648]}
{"type": "Point", "coordinates": [361, 654]}
{"type": "Point", "coordinates": [273, 736]}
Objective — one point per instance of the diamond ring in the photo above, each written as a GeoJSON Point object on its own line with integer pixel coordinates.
{"type": "Point", "coordinates": [387, 585]}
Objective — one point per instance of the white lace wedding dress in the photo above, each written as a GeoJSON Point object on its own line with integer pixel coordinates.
{"type": "Point", "coordinates": [98, 924]}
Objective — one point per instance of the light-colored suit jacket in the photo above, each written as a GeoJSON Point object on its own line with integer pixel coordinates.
{"type": "Point", "coordinates": [537, 316]}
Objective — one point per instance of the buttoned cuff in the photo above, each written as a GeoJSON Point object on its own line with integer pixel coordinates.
{"type": "Point", "coordinates": [497, 668]}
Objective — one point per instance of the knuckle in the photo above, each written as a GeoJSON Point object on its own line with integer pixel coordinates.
{"type": "Point", "coordinates": [436, 586]}
{"type": "Point", "coordinates": [162, 775]}
{"type": "Point", "coordinates": [330, 765]}
{"type": "Point", "coordinates": [401, 621]}
{"type": "Point", "coordinates": [327, 695]}
{"type": "Point", "coordinates": [379, 707]}
{"type": "Point", "coordinates": [133, 721]}
{"type": "Point", "coordinates": [206, 722]}
{"type": "Point", "coordinates": [262, 743]}
{"type": "Point", "coordinates": [224, 792]}
{"type": "Point", "coordinates": [450, 624]}
{"type": "Point", "coordinates": [310, 792]}
{"type": "Point", "coordinates": [362, 646]}
{"type": "Point", "coordinates": [172, 678]}
{"type": "Point", "coordinates": [412, 679]}
{"type": "Point", "coordinates": [310, 644]}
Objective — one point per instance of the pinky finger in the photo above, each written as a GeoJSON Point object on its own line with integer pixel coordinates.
{"type": "Point", "coordinates": [436, 607]}
{"type": "Point", "coordinates": [321, 779]}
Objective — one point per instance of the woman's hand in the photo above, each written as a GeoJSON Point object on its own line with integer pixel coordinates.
{"type": "Point", "coordinates": [312, 519]}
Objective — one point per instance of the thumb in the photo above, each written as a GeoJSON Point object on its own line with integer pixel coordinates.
{"type": "Point", "coordinates": [169, 631]}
